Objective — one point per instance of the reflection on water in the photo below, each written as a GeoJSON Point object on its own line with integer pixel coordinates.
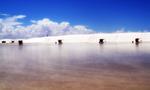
{"type": "Point", "coordinates": [75, 67]}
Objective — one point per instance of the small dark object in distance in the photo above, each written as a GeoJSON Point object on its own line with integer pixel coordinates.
{"type": "Point", "coordinates": [60, 42]}
{"type": "Point", "coordinates": [20, 42]}
{"type": "Point", "coordinates": [12, 41]}
{"type": "Point", "coordinates": [3, 41]}
{"type": "Point", "coordinates": [101, 41]}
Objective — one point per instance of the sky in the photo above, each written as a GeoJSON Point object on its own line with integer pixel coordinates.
{"type": "Point", "coordinates": [34, 18]}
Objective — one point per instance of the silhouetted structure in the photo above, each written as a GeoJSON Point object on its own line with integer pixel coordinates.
{"type": "Point", "coordinates": [60, 42]}
{"type": "Point", "coordinates": [137, 40]}
{"type": "Point", "coordinates": [12, 41]}
{"type": "Point", "coordinates": [3, 41]}
{"type": "Point", "coordinates": [20, 42]}
{"type": "Point", "coordinates": [101, 41]}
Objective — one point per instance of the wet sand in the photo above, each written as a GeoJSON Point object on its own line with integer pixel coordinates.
{"type": "Point", "coordinates": [75, 67]}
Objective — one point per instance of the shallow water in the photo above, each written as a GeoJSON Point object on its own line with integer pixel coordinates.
{"type": "Point", "coordinates": [75, 67]}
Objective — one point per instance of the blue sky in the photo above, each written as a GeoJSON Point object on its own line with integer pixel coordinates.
{"type": "Point", "coordinates": [99, 15]}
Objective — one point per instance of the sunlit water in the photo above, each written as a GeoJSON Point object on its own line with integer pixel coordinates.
{"type": "Point", "coordinates": [75, 67]}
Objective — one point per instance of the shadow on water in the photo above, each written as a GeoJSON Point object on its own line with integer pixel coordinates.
{"type": "Point", "coordinates": [20, 47]}
{"type": "Point", "coordinates": [137, 44]}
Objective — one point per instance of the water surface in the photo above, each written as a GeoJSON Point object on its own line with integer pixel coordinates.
{"type": "Point", "coordinates": [75, 67]}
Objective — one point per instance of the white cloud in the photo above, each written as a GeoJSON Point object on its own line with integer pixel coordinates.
{"type": "Point", "coordinates": [10, 27]}
{"type": "Point", "coordinates": [122, 30]}
{"type": "Point", "coordinates": [4, 14]}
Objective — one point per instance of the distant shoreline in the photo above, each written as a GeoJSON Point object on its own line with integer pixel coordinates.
{"type": "Point", "coordinates": [88, 38]}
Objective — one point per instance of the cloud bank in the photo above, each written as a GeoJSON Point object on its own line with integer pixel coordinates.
{"type": "Point", "coordinates": [12, 27]}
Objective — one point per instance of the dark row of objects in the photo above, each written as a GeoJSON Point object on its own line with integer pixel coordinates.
{"type": "Point", "coordinates": [101, 41]}
{"type": "Point", "coordinates": [20, 42]}
{"type": "Point", "coordinates": [136, 41]}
